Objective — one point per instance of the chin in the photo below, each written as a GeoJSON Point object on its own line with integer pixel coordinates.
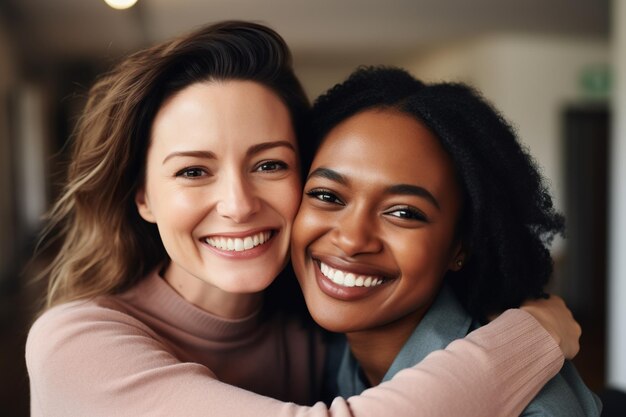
{"type": "Point", "coordinates": [329, 319]}
{"type": "Point", "coordinates": [245, 284]}
{"type": "Point", "coordinates": [330, 325]}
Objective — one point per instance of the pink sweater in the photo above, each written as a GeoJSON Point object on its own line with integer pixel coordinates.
{"type": "Point", "coordinates": [148, 352]}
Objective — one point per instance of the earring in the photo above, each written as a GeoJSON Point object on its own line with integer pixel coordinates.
{"type": "Point", "coordinates": [459, 263]}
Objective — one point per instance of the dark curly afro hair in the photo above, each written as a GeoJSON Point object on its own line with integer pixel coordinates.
{"type": "Point", "coordinates": [508, 219]}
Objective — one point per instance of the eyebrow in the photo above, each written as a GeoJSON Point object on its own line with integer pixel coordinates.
{"type": "Point", "coordinates": [403, 189]}
{"type": "Point", "coordinates": [195, 154]}
{"type": "Point", "coordinates": [269, 145]}
{"type": "Point", "coordinates": [408, 189]}
{"type": "Point", "coordinates": [329, 174]}
{"type": "Point", "coordinates": [251, 151]}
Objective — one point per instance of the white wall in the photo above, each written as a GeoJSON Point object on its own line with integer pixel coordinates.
{"type": "Point", "coordinates": [616, 368]}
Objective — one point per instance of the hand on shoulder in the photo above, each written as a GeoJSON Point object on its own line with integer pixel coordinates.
{"type": "Point", "coordinates": [557, 319]}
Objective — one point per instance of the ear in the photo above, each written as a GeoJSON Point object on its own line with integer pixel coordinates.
{"type": "Point", "coordinates": [458, 259]}
{"type": "Point", "coordinates": [143, 205]}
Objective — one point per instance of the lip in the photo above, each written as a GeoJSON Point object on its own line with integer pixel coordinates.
{"type": "Point", "coordinates": [245, 254]}
{"type": "Point", "coordinates": [243, 233]}
{"type": "Point", "coordinates": [341, 292]}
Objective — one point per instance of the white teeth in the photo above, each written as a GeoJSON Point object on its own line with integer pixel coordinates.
{"type": "Point", "coordinates": [338, 277]}
{"type": "Point", "coordinates": [238, 244]}
{"type": "Point", "coordinates": [348, 279]}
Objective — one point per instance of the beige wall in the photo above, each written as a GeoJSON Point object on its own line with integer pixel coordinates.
{"type": "Point", "coordinates": [317, 78]}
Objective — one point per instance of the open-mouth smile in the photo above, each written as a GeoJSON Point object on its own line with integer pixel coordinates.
{"type": "Point", "coordinates": [240, 243]}
{"type": "Point", "coordinates": [349, 279]}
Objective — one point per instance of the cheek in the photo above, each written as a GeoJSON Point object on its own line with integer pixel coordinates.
{"type": "Point", "coordinates": [423, 258]}
{"type": "Point", "coordinates": [310, 224]}
{"type": "Point", "coordinates": [422, 269]}
{"type": "Point", "coordinates": [175, 208]}
{"type": "Point", "coordinates": [305, 231]}
{"type": "Point", "coordinates": [286, 198]}
{"type": "Point", "coordinates": [308, 228]}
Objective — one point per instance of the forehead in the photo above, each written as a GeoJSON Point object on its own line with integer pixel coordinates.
{"type": "Point", "coordinates": [374, 142]}
{"type": "Point", "coordinates": [221, 112]}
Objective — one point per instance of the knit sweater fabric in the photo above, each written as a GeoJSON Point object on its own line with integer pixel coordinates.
{"type": "Point", "coordinates": [148, 352]}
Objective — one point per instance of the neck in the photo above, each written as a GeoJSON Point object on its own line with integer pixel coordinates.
{"type": "Point", "coordinates": [375, 349]}
{"type": "Point", "coordinates": [211, 298]}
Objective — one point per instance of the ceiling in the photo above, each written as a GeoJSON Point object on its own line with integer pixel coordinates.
{"type": "Point", "coordinates": [336, 29]}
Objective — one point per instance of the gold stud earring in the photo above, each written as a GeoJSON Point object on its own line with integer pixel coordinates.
{"type": "Point", "coordinates": [459, 263]}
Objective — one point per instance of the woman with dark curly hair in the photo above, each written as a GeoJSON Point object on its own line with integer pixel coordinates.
{"type": "Point", "coordinates": [422, 216]}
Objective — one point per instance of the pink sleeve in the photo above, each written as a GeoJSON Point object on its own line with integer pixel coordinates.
{"type": "Point", "coordinates": [90, 363]}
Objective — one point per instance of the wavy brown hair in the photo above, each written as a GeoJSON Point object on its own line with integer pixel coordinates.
{"type": "Point", "coordinates": [105, 246]}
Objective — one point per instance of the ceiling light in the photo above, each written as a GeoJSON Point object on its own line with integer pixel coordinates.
{"type": "Point", "coordinates": [120, 4]}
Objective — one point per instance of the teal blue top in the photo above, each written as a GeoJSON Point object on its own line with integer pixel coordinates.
{"type": "Point", "coordinates": [565, 395]}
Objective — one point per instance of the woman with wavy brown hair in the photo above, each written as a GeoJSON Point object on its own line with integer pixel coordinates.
{"type": "Point", "coordinates": [169, 295]}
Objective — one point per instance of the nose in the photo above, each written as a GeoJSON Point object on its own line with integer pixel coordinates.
{"type": "Point", "coordinates": [237, 199]}
{"type": "Point", "coordinates": [356, 233]}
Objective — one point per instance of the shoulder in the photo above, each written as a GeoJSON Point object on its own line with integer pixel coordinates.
{"type": "Point", "coordinates": [83, 317]}
{"type": "Point", "coordinates": [67, 332]}
{"type": "Point", "coordinates": [565, 395]}
{"type": "Point", "coordinates": [93, 355]}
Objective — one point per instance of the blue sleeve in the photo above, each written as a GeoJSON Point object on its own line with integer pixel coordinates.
{"type": "Point", "coordinates": [565, 395]}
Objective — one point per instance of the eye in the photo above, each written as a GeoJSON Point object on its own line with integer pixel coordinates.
{"type": "Point", "coordinates": [269, 166]}
{"type": "Point", "coordinates": [192, 172]}
{"type": "Point", "coordinates": [325, 195]}
{"type": "Point", "coordinates": [407, 213]}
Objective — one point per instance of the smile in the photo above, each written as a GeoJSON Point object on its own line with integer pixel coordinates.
{"type": "Point", "coordinates": [348, 279]}
{"type": "Point", "coordinates": [238, 244]}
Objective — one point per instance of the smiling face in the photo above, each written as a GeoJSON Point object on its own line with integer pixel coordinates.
{"type": "Point", "coordinates": [375, 233]}
{"type": "Point", "coordinates": [222, 184]}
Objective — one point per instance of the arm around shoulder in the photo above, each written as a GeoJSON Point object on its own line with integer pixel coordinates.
{"type": "Point", "coordinates": [495, 370]}
{"type": "Point", "coordinates": [89, 360]}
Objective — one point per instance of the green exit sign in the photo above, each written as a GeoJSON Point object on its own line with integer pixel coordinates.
{"type": "Point", "coordinates": [595, 81]}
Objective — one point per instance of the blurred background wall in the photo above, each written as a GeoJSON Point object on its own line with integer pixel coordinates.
{"type": "Point", "coordinates": [554, 69]}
